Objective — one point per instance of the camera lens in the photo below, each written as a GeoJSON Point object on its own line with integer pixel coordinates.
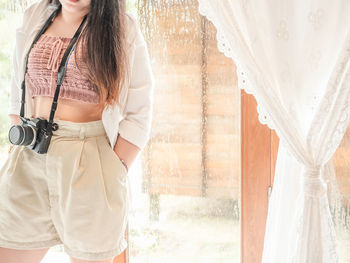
{"type": "Point", "coordinates": [21, 135]}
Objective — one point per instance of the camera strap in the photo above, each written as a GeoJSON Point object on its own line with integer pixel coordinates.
{"type": "Point", "coordinates": [61, 71]}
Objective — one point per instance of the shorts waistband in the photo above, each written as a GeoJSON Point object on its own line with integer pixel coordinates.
{"type": "Point", "coordinates": [79, 129]}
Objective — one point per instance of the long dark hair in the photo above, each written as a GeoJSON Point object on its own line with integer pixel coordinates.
{"type": "Point", "coordinates": [105, 36]}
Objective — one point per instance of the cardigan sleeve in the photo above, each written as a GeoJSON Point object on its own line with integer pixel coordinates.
{"type": "Point", "coordinates": [137, 114]}
{"type": "Point", "coordinates": [15, 91]}
{"type": "Point", "coordinates": [15, 85]}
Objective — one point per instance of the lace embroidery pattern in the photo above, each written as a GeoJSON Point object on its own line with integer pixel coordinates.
{"type": "Point", "coordinates": [242, 73]}
{"type": "Point", "coordinates": [338, 84]}
{"type": "Point", "coordinates": [327, 241]}
{"type": "Point", "coordinates": [282, 31]}
{"type": "Point", "coordinates": [316, 18]}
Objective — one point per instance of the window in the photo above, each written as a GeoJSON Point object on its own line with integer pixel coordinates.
{"type": "Point", "coordinates": [187, 191]}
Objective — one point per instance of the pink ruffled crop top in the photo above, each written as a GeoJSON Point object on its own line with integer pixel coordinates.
{"type": "Point", "coordinates": [43, 63]}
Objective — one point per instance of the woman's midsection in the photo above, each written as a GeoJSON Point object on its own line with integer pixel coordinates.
{"type": "Point", "coordinates": [67, 109]}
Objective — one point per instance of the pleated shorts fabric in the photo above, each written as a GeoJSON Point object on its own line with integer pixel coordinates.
{"type": "Point", "coordinates": [76, 194]}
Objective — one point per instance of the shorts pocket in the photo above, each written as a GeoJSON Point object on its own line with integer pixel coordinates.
{"type": "Point", "coordinates": [10, 163]}
{"type": "Point", "coordinates": [116, 158]}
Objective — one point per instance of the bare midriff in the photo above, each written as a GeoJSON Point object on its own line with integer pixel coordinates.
{"type": "Point", "coordinates": [77, 101]}
{"type": "Point", "coordinates": [67, 109]}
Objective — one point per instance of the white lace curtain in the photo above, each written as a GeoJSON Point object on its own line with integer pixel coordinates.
{"type": "Point", "coordinates": [293, 56]}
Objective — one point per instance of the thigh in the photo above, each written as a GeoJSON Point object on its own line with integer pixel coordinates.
{"type": "Point", "coordinates": [76, 260]}
{"type": "Point", "coordinates": [8, 255]}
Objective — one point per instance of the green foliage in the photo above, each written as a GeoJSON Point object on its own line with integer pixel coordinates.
{"type": "Point", "coordinates": [9, 21]}
{"type": "Point", "coordinates": [2, 9]}
{"type": "Point", "coordinates": [4, 122]}
{"type": "Point", "coordinates": [17, 6]}
{"type": "Point", "coordinates": [131, 7]}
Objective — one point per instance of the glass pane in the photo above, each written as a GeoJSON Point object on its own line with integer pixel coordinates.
{"type": "Point", "coordinates": [340, 198]}
{"type": "Point", "coordinates": [185, 183]}
{"type": "Point", "coordinates": [10, 16]}
{"type": "Point", "coordinates": [186, 196]}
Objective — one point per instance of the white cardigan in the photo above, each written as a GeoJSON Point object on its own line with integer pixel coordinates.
{"type": "Point", "coordinates": [133, 119]}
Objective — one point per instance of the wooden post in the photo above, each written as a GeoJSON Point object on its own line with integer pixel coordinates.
{"type": "Point", "coordinates": [259, 147]}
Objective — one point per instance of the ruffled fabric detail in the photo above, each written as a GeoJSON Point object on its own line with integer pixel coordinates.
{"type": "Point", "coordinates": [315, 239]}
{"type": "Point", "coordinates": [53, 63]}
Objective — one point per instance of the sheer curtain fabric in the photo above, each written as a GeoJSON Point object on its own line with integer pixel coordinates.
{"type": "Point", "coordinates": [293, 56]}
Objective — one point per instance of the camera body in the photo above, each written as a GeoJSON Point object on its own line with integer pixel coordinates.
{"type": "Point", "coordinates": [32, 133]}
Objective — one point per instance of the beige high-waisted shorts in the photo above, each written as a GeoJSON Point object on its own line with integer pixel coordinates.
{"type": "Point", "coordinates": [77, 194]}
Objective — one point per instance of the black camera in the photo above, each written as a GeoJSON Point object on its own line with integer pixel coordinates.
{"type": "Point", "coordinates": [32, 133]}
